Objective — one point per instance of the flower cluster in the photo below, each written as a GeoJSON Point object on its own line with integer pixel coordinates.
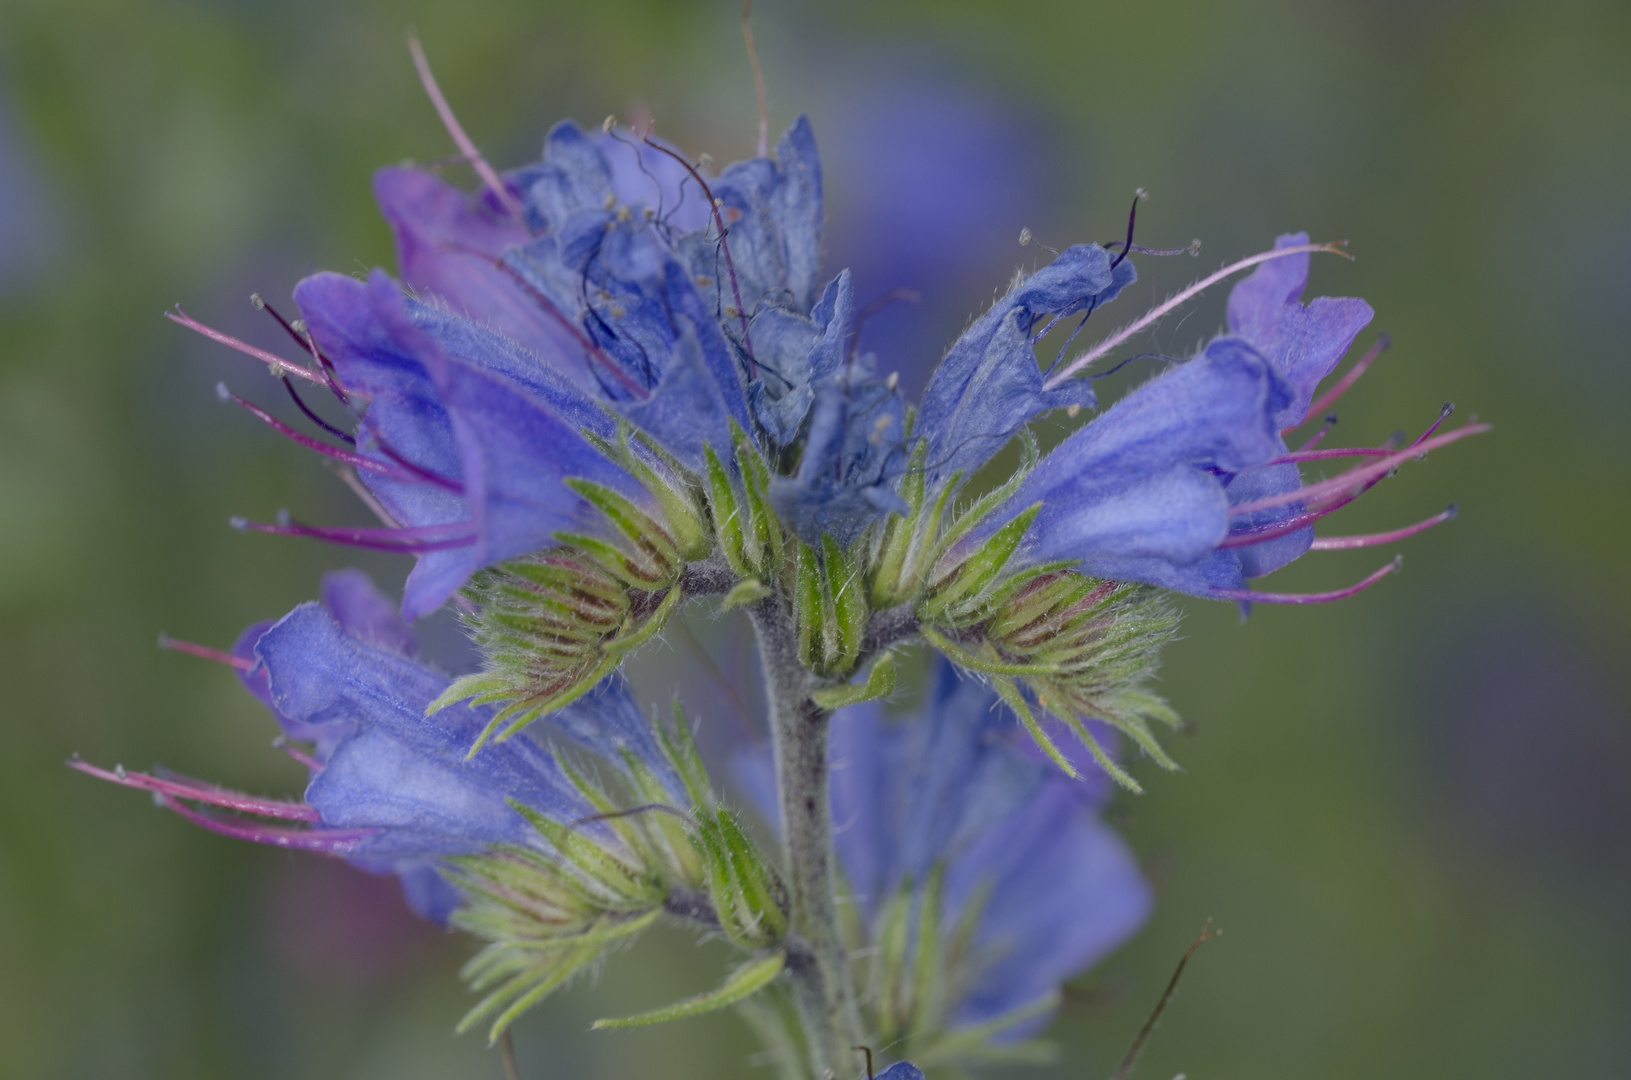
{"type": "Point", "coordinates": [611, 382]}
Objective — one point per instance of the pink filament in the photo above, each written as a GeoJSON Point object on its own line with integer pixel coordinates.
{"type": "Point", "coordinates": [1255, 597]}
{"type": "Point", "coordinates": [460, 139]}
{"type": "Point", "coordinates": [429, 538]}
{"type": "Point", "coordinates": [1335, 452]}
{"type": "Point", "coordinates": [242, 663]}
{"type": "Point", "coordinates": [185, 787]}
{"type": "Point", "coordinates": [330, 841]}
{"type": "Point", "coordinates": [1343, 543]}
{"type": "Point", "coordinates": [1357, 477]}
{"type": "Point", "coordinates": [181, 318]}
{"type": "Point", "coordinates": [1155, 313]}
{"type": "Point", "coordinates": [1329, 398]}
{"type": "Point", "coordinates": [347, 457]}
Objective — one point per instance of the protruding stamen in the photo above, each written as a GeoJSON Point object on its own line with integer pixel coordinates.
{"type": "Point", "coordinates": [329, 841]}
{"type": "Point", "coordinates": [302, 336]}
{"type": "Point", "coordinates": [1155, 313]}
{"type": "Point", "coordinates": [1343, 543]}
{"type": "Point", "coordinates": [1132, 216]}
{"type": "Point", "coordinates": [1326, 455]}
{"type": "Point", "coordinates": [1325, 429]}
{"type": "Point", "coordinates": [1356, 477]}
{"type": "Point", "coordinates": [408, 541]}
{"type": "Point", "coordinates": [1329, 398]}
{"type": "Point", "coordinates": [349, 440]}
{"type": "Point", "coordinates": [204, 652]}
{"type": "Point", "coordinates": [1443, 415]}
{"type": "Point", "coordinates": [460, 139]}
{"type": "Point", "coordinates": [185, 787]}
{"type": "Point", "coordinates": [275, 362]}
{"type": "Point", "coordinates": [282, 743]}
{"type": "Point", "coordinates": [1252, 596]}
{"type": "Point", "coordinates": [348, 457]}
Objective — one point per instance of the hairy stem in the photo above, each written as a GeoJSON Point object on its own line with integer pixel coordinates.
{"type": "Point", "coordinates": [799, 736]}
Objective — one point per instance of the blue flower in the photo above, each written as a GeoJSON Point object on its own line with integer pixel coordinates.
{"type": "Point", "coordinates": [956, 795]}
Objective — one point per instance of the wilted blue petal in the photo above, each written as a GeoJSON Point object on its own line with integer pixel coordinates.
{"type": "Point", "coordinates": [853, 455]}
{"type": "Point", "coordinates": [989, 385]}
{"type": "Point", "coordinates": [772, 212]}
{"type": "Point", "coordinates": [1303, 343]}
{"type": "Point", "coordinates": [794, 355]}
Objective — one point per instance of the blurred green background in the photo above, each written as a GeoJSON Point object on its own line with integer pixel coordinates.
{"type": "Point", "coordinates": [1411, 812]}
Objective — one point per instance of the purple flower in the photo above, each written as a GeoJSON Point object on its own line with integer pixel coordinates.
{"type": "Point", "coordinates": [393, 790]}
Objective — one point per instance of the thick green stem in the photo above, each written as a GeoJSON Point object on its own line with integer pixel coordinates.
{"type": "Point", "coordinates": [799, 735]}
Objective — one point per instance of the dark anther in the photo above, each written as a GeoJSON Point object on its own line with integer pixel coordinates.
{"type": "Point", "coordinates": [1132, 217]}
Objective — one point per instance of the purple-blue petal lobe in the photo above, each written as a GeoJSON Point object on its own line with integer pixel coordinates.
{"type": "Point", "coordinates": [1303, 342]}
{"type": "Point", "coordinates": [400, 771]}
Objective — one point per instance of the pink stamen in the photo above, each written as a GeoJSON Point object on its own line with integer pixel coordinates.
{"type": "Point", "coordinates": [1334, 452]}
{"type": "Point", "coordinates": [282, 743]}
{"type": "Point", "coordinates": [1343, 543]}
{"type": "Point", "coordinates": [1325, 429]}
{"type": "Point", "coordinates": [1329, 398]}
{"type": "Point", "coordinates": [242, 663]}
{"type": "Point", "coordinates": [1443, 415]}
{"type": "Point", "coordinates": [408, 541]}
{"type": "Point", "coordinates": [1155, 313]}
{"type": "Point", "coordinates": [328, 841]}
{"type": "Point", "coordinates": [185, 787]}
{"type": "Point", "coordinates": [1262, 533]}
{"type": "Point", "coordinates": [306, 341]}
{"type": "Point", "coordinates": [1254, 597]}
{"type": "Point", "coordinates": [346, 457]}
{"type": "Point", "coordinates": [460, 139]}
{"type": "Point", "coordinates": [1357, 477]}
{"type": "Point", "coordinates": [277, 363]}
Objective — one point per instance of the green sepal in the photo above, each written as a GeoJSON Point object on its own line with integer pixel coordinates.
{"type": "Point", "coordinates": [962, 590]}
{"type": "Point", "coordinates": [749, 591]}
{"type": "Point", "coordinates": [630, 520]}
{"type": "Point", "coordinates": [626, 886]}
{"type": "Point", "coordinates": [762, 531]}
{"type": "Point", "coordinates": [624, 644]}
{"type": "Point", "coordinates": [895, 577]}
{"type": "Point", "coordinates": [742, 983]}
{"type": "Point", "coordinates": [726, 510]}
{"type": "Point", "coordinates": [880, 682]}
{"type": "Point", "coordinates": [848, 596]}
{"type": "Point", "coordinates": [1016, 701]}
{"type": "Point", "coordinates": [532, 985]}
{"type": "Point", "coordinates": [807, 603]}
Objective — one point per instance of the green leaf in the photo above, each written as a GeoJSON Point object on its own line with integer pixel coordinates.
{"type": "Point", "coordinates": [743, 593]}
{"type": "Point", "coordinates": [743, 983]}
{"type": "Point", "coordinates": [880, 682]}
